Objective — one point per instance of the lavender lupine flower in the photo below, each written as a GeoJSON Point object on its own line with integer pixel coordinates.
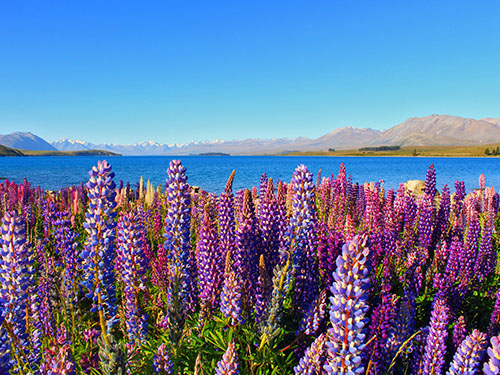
{"type": "Point", "coordinates": [345, 341]}
{"type": "Point", "coordinates": [459, 333]}
{"type": "Point", "coordinates": [208, 258]}
{"type": "Point", "coordinates": [162, 363]}
{"type": "Point", "coordinates": [469, 355]}
{"type": "Point", "coordinates": [228, 365]}
{"type": "Point", "coordinates": [16, 277]}
{"type": "Point", "coordinates": [177, 245]}
{"type": "Point", "coordinates": [492, 367]}
{"type": "Point", "coordinates": [98, 254]}
{"type": "Point", "coordinates": [435, 347]}
{"type": "Point", "coordinates": [132, 273]}
{"type": "Point", "coordinates": [314, 357]}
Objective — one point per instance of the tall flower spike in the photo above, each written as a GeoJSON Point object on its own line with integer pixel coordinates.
{"type": "Point", "coordinates": [162, 364]}
{"type": "Point", "coordinates": [345, 341]}
{"type": "Point", "coordinates": [15, 282]}
{"type": "Point", "coordinates": [228, 365]}
{"type": "Point", "coordinates": [177, 236]}
{"type": "Point", "coordinates": [99, 253]}
{"type": "Point", "coordinates": [469, 354]}
{"type": "Point", "coordinates": [492, 367]}
{"type": "Point", "coordinates": [435, 348]}
{"type": "Point", "coordinates": [132, 274]}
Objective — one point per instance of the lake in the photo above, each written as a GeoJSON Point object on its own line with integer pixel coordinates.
{"type": "Point", "coordinates": [211, 172]}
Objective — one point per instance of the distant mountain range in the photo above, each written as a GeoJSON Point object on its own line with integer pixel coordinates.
{"type": "Point", "coordinates": [432, 130]}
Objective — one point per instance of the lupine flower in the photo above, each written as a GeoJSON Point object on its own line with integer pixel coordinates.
{"type": "Point", "coordinates": [430, 182]}
{"type": "Point", "coordinates": [312, 361]}
{"type": "Point", "coordinates": [345, 340]}
{"type": "Point", "coordinates": [435, 347]}
{"type": "Point", "coordinates": [162, 363]}
{"type": "Point", "coordinates": [230, 303]}
{"type": "Point", "coordinates": [15, 279]}
{"type": "Point", "coordinates": [177, 236]}
{"type": "Point", "coordinates": [228, 365]}
{"type": "Point", "coordinates": [98, 254]}
{"type": "Point", "coordinates": [492, 367]}
{"type": "Point", "coordinates": [132, 272]}
{"type": "Point", "coordinates": [469, 355]}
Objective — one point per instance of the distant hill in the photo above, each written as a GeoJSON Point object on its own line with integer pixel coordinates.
{"type": "Point", "coordinates": [25, 141]}
{"type": "Point", "coordinates": [433, 130]}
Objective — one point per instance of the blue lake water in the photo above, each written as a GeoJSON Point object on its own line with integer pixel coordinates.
{"type": "Point", "coordinates": [211, 172]}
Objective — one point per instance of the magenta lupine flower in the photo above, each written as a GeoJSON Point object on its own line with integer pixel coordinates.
{"type": "Point", "coordinates": [469, 355]}
{"type": "Point", "coordinates": [207, 252]}
{"type": "Point", "coordinates": [492, 367]}
{"type": "Point", "coordinates": [435, 347]}
{"type": "Point", "coordinates": [59, 363]}
{"type": "Point", "coordinates": [313, 359]}
{"type": "Point", "coordinates": [425, 212]}
{"type": "Point", "coordinates": [99, 253]}
{"type": "Point", "coordinates": [494, 326]}
{"type": "Point", "coordinates": [132, 273]}
{"type": "Point", "coordinates": [487, 257]}
{"type": "Point", "coordinates": [16, 278]}
{"type": "Point", "coordinates": [346, 338]}
{"type": "Point", "coordinates": [469, 255]}
{"type": "Point", "coordinates": [228, 365]}
{"type": "Point", "coordinates": [162, 363]}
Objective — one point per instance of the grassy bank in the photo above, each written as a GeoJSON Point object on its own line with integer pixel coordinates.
{"type": "Point", "coordinates": [7, 151]}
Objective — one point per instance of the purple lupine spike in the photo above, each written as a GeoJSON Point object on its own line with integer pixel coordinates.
{"type": "Point", "coordinates": [230, 303]}
{"type": "Point", "coordinates": [281, 215]}
{"type": "Point", "coordinates": [162, 362]}
{"type": "Point", "coordinates": [66, 246]}
{"type": "Point", "coordinates": [314, 316]}
{"type": "Point", "coordinates": [99, 253]}
{"type": "Point", "coordinates": [382, 316]}
{"type": "Point", "coordinates": [207, 252]}
{"type": "Point", "coordinates": [226, 220]}
{"type": "Point", "coordinates": [458, 223]}
{"type": "Point", "coordinates": [469, 255]}
{"type": "Point", "coordinates": [247, 248]}
{"type": "Point", "coordinates": [435, 347]}
{"type": "Point", "coordinates": [177, 246]}
{"type": "Point", "coordinates": [487, 257]}
{"type": "Point", "coordinates": [430, 182]}
{"type": "Point", "coordinates": [345, 341]}
{"type": "Point", "coordinates": [313, 359]}
{"type": "Point", "coordinates": [60, 363]}
{"type": "Point", "coordinates": [268, 224]}
{"type": "Point", "coordinates": [228, 365]}
{"type": "Point", "coordinates": [469, 355]}
{"type": "Point", "coordinates": [402, 326]}
{"type": "Point", "coordinates": [492, 367]}
{"type": "Point", "coordinates": [442, 216]}
{"type": "Point", "coordinates": [16, 278]}
{"type": "Point", "coordinates": [132, 274]}
{"type": "Point", "coordinates": [459, 333]}
{"type": "Point", "coordinates": [425, 212]}
{"type": "Point", "coordinates": [302, 244]}
{"type": "Point", "coordinates": [4, 343]}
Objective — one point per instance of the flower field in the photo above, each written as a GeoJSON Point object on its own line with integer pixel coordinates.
{"type": "Point", "coordinates": [318, 275]}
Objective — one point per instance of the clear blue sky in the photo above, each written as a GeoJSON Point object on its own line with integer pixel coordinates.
{"type": "Point", "coordinates": [175, 71]}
